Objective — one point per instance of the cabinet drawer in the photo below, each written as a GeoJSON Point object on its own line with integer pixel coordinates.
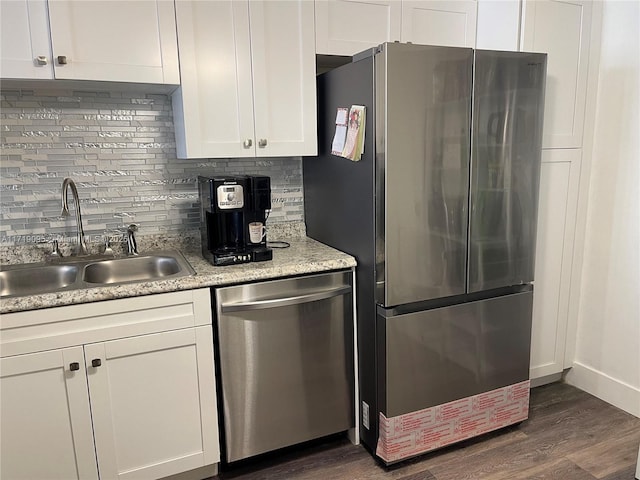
{"type": "Point", "coordinates": [61, 327]}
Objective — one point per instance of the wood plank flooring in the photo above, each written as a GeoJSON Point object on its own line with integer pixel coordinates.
{"type": "Point", "coordinates": [570, 435]}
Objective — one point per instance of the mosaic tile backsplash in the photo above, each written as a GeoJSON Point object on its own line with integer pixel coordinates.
{"type": "Point", "coordinates": [119, 148]}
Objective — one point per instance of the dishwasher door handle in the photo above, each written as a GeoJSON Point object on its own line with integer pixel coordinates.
{"type": "Point", "coordinates": [286, 301]}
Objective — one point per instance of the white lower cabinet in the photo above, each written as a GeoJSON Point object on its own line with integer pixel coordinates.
{"type": "Point", "coordinates": [46, 419]}
{"type": "Point", "coordinates": [136, 407]}
{"type": "Point", "coordinates": [150, 403]}
{"type": "Point", "coordinates": [559, 178]}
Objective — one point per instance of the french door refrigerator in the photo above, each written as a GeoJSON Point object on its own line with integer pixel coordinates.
{"type": "Point", "coordinates": [440, 213]}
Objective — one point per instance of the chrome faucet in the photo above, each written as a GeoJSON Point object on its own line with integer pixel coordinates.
{"type": "Point", "coordinates": [132, 246]}
{"type": "Point", "coordinates": [81, 245]}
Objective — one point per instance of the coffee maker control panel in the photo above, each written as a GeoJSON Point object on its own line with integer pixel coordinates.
{"type": "Point", "coordinates": [230, 196]}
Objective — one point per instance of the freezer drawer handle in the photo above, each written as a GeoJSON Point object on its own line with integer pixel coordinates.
{"type": "Point", "coordinates": [283, 302]}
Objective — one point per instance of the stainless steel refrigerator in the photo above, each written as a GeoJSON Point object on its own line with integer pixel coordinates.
{"type": "Point", "coordinates": [440, 213]}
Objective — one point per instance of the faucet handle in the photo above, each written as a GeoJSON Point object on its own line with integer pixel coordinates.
{"type": "Point", "coordinates": [55, 250]}
{"type": "Point", "coordinates": [107, 245]}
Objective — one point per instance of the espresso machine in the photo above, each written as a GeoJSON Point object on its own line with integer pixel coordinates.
{"type": "Point", "coordinates": [233, 214]}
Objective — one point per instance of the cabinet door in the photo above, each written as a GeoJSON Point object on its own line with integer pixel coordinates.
{"type": "Point", "coordinates": [450, 23]}
{"type": "Point", "coordinates": [25, 51]}
{"type": "Point", "coordinates": [347, 27]}
{"type": "Point", "coordinates": [554, 251]}
{"type": "Point", "coordinates": [153, 403]}
{"type": "Point", "coordinates": [284, 77]}
{"type": "Point", "coordinates": [133, 41]}
{"type": "Point", "coordinates": [213, 108]}
{"type": "Point", "coordinates": [562, 30]}
{"type": "Point", "coordinates": [498, 26]}
{"type": "Point", "coordinates": [46, 421]}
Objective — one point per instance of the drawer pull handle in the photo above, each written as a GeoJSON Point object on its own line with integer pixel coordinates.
{"type": "Point", "coordinates": [62, 59]}
{"type": "Point", "coordinates": [74, 366]}
{"type": "Point", "coordinates": [96, 362]}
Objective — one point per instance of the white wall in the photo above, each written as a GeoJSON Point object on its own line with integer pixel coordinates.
{"type": "Point", "coordinates": [607, 353]}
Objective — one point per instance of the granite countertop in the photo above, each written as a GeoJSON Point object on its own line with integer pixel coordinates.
{"type": "Point", "coordinates": [304, 256]}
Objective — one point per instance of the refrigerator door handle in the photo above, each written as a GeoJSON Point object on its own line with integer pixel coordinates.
{"type": "Point", "coordinates": [283, 302]}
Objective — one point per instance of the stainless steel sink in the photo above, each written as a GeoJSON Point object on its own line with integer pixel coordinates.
{"type": "Point", "coordinates": [74, 273]}
{"type": "Point", "coordinates": [131, 269]}
{"type": "Point", "coordinates": [36, 278]}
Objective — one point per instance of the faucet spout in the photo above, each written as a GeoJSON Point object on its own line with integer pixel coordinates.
{"type": "Point", "coordinates": [81, 246]}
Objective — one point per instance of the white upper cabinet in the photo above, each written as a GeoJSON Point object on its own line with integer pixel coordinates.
{"type": "Point", "coordinates": [347, 27]}
{"type": "Point", "coordinates": [450, 23]}
{"type": "Point", "coordinates": [248, 79]}
{"type": "Point", "coordinates": [284, 77]}
{"type": "Point", "coordinates": [127, 41]}
{"type": "Point", "coordinates": [498, 26]}
{"type": "Point", "coordinates": [562, 30]}
{"type": "Point", "coordinates": [213, 108]}
{"type": "Point", "coordinates": [25, 50]}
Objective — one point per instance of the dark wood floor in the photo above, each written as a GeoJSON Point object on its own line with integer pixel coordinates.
{"type": "Point", "coordinates": [570, 435]}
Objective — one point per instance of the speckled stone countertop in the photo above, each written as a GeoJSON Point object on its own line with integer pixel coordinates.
{"type": "Point", "coordinates": [304, 256]}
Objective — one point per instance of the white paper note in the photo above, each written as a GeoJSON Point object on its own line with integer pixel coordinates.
{"type": "Point", "coordinates": [338, 140]}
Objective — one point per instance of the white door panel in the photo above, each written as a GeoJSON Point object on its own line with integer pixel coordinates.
{"type": "Point", "coordinates": [562, 30]}
{"type": "Point", "coordinates": [24, 37]}
{"type": "Point", "coordinates": [283, 59]}
{"type": "Point", "coordinates": [339, 33]}
{"type": "Point", "coordinates": [147, 399]}
{"type": "Point", "coordinates": [449, 23]}
{"type": "Point", "coordinates": [39, 390]}
{"type": "Point", "coordinates": [133, 41]}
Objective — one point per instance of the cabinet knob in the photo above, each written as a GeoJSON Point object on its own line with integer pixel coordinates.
{"type": "Point", "coordinates": [247, 143]}
{"type": "Point", "coordinates": [262, 142]}
{"type": "Point", "coordinates": [74, 366]}
{"type": "Point", "coordinates": [41, 60]}
{"type": "Point", "coordinates": [62, 59]}
{"type": "Point", "coordinates": [96, 362]}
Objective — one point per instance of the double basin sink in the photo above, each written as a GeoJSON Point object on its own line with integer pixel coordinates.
{"type": "Point", "coordinates": [84, 272]}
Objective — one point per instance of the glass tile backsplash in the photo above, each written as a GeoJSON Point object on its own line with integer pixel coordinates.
{"type": "Point", "coordinates": [120, 150]}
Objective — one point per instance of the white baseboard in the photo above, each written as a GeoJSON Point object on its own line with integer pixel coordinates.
{"type": "Point", "coordinates": [538, 382]}
{"type": "Point", "coordinates": [601, 385]}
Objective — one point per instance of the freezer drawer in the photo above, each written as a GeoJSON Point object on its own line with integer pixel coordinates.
{"type": "Point", "coordinates": [436, 356]}
{"type": "Point", "coordinates": [286, 361]}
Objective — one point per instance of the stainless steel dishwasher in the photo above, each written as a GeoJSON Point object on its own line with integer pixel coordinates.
{"type": "Point", "coordinates": [286, 361]}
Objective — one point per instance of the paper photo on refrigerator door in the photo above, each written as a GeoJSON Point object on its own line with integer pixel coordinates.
{"type": "Point", "coordinates": [341, 132]}
{"type": "Point", "coordinates": [354, 144]}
